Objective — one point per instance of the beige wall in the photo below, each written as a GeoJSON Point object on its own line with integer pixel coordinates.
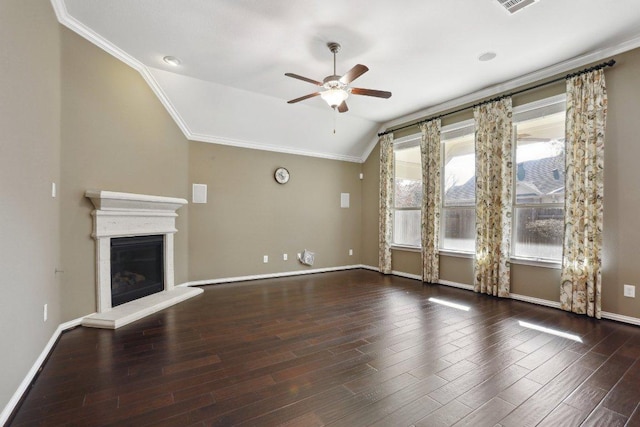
{"type": "Point", "coordinates": [116, 136]}
{"type": "Point", "coordinates": [621, 187]}
{"type": "Point", "coordinates": [29, 163]}
{"type": "Point", "coordinates": [249, 215]}
{"type": "Point", "coordinates": [406, 261]}
{"type": "Point", "coordinates": [622, 203]}
{"type": "Point", "coordinates": [370, 206]}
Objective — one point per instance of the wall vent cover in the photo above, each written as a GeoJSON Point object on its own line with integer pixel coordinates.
{"type": "Point", "coordinates": [513, 6]}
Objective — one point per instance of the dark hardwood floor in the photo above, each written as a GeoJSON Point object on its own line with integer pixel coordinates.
{"type": "Point", "coordinates": [351, 348]}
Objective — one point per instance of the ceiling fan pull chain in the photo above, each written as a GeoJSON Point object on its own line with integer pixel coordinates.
{"type": "Point", "coordinates": [335, 118]}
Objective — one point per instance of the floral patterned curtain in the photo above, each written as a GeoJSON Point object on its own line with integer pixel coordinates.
{"type": "Point", "coordinates": [494, 186]}
{"type": "Point", "coordinates": [430, 152]}
{"type": "Point", "coordinates": [580, 291]}
{"type": "Point", "coordinates": [386, 203]}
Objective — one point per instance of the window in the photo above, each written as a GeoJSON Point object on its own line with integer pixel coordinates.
{"type": "Point", "coordinates": [407, 197]}
{"type": "Point", "coordinates": [538, 205]}
{"type": "Point", "coordinates": [458, 188]}
{"type": "Point", "coordinates": [538, 201]}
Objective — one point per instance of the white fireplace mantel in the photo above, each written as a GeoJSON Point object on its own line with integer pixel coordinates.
{"type": "Point", "coordinates": [126, 215]}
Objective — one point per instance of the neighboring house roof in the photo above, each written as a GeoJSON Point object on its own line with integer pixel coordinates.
{"type": "Point", "coordinates": [534, 178]}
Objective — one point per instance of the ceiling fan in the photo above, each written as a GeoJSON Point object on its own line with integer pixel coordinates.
{"type": "Point", "coordinates": [336, 89]}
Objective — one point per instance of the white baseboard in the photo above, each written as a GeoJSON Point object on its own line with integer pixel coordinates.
{"type": "Point", "coordinates": [407, 275]}
{"type": "Point", "coordinates": [270, 275]}
{"type": "Point", "coordinates": [553, 304]}
{"type": "Point", "coordinates": [538, 301]}
{"type": "Point", "coordinates": [518, 297]}
{"type": "Point", "coordinates": [394, 272]}
{"type": "Point", "coordinates": [621, 318]}
{"type": "Point", "coordinates": [456, 285]}
{"type": "Point", "coordinates": [24, 385]}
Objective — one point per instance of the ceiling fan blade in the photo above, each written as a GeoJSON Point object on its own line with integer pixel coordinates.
{"type": "Point", "coordinates": [371, 92]}
{"type": "Point", "coordinates": [353, 74]}
{"type": "Point", "coordinates": [305, 79]}
{"type": "Point", "coordinates": [302, 98]}
{"type": "Point", "coordinates": [342, 108]}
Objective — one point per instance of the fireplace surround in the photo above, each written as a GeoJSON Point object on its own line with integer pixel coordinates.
{"type": "Point", "coordinates": [122, 215]}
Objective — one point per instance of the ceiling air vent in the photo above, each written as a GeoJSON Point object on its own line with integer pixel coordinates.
{"type": "Point", "coordinates": [513, 6]}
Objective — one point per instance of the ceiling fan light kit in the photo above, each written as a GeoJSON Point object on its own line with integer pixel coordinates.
{"type": "Point", "coordinates": [334, 97]}
{"type": "Point", "coordinates": [335, 88]}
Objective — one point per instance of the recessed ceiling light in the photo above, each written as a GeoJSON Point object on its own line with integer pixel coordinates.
{"type": "Point", "coordinates": [487, 56]}
{"type": "Point", "coordinates": [171, 60]}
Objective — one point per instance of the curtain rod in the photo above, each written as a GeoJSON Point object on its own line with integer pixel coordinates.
{"type": "Point", "coordinates": [609, 63]}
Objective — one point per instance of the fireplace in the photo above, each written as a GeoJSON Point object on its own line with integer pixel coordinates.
{"type": "Point", "coordinates": [134, 236]}
{"type": "Point", "coordinates": [136, 268]}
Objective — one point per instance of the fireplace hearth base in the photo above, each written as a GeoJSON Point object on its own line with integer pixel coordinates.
{"type": "Point", "coordinates": [137, 309]}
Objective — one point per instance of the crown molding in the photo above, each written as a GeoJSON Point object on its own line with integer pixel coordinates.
{"type": "Point", "coordinates": [87, 33]}
{"type": "Point", "coordinates": [372, 145]}
{"type": "Point", "coordinates": [534, 77]}
{"type": "Point", "coordinates": [79, 28]}
{"type": "Point", "coordinates": [265, 147]}
{"type": "Point", "coordinates": [73, 24]}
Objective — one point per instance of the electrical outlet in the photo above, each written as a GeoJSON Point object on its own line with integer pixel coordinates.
{"type": "Point", "coordinates": [630, 291]}
{"type": "Point", "coordinates": [350, 252]}
{"type": "Point", "coordinates": [53, 189]}
{"type": "Point", "coordinates": [298, 255]}
{"type": "Point", "coordinates": [44, 313]}
{"type": "Point", "coordinates": [285, 257]}
{"type": "Point", "coordinates": [265, 259]}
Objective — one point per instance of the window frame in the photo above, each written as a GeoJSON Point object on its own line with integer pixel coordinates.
{"type": "Point", "coordinates": [533, 110]}
{"type": "Point", "coordinates": [409, 141]}
{"type": "Point", "coordinates": [536, 109]}
{"type": "Point", "coordinates": [461, 128]}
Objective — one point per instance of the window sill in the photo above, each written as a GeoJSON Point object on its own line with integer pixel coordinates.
{"type": "Point", "coordinates": [406, 248]}
{"type": "Point", "coordinates": [556, 265]}
{"type": "Point", "coordinates": [457, 254]}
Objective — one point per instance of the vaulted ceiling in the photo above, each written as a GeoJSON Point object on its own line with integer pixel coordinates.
{"type": "Point", "coordinates": [230, 88]}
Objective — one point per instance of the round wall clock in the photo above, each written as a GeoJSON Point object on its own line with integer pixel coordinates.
{"type": "Point", "coordinates": [282, 175]}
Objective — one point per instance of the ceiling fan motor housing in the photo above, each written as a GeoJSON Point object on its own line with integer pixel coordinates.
{"type": "Point", "coordinates": [333, 82]}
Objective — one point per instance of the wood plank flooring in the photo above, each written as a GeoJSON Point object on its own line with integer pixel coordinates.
{"type": "Point", "coordinates": [352, 348]}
